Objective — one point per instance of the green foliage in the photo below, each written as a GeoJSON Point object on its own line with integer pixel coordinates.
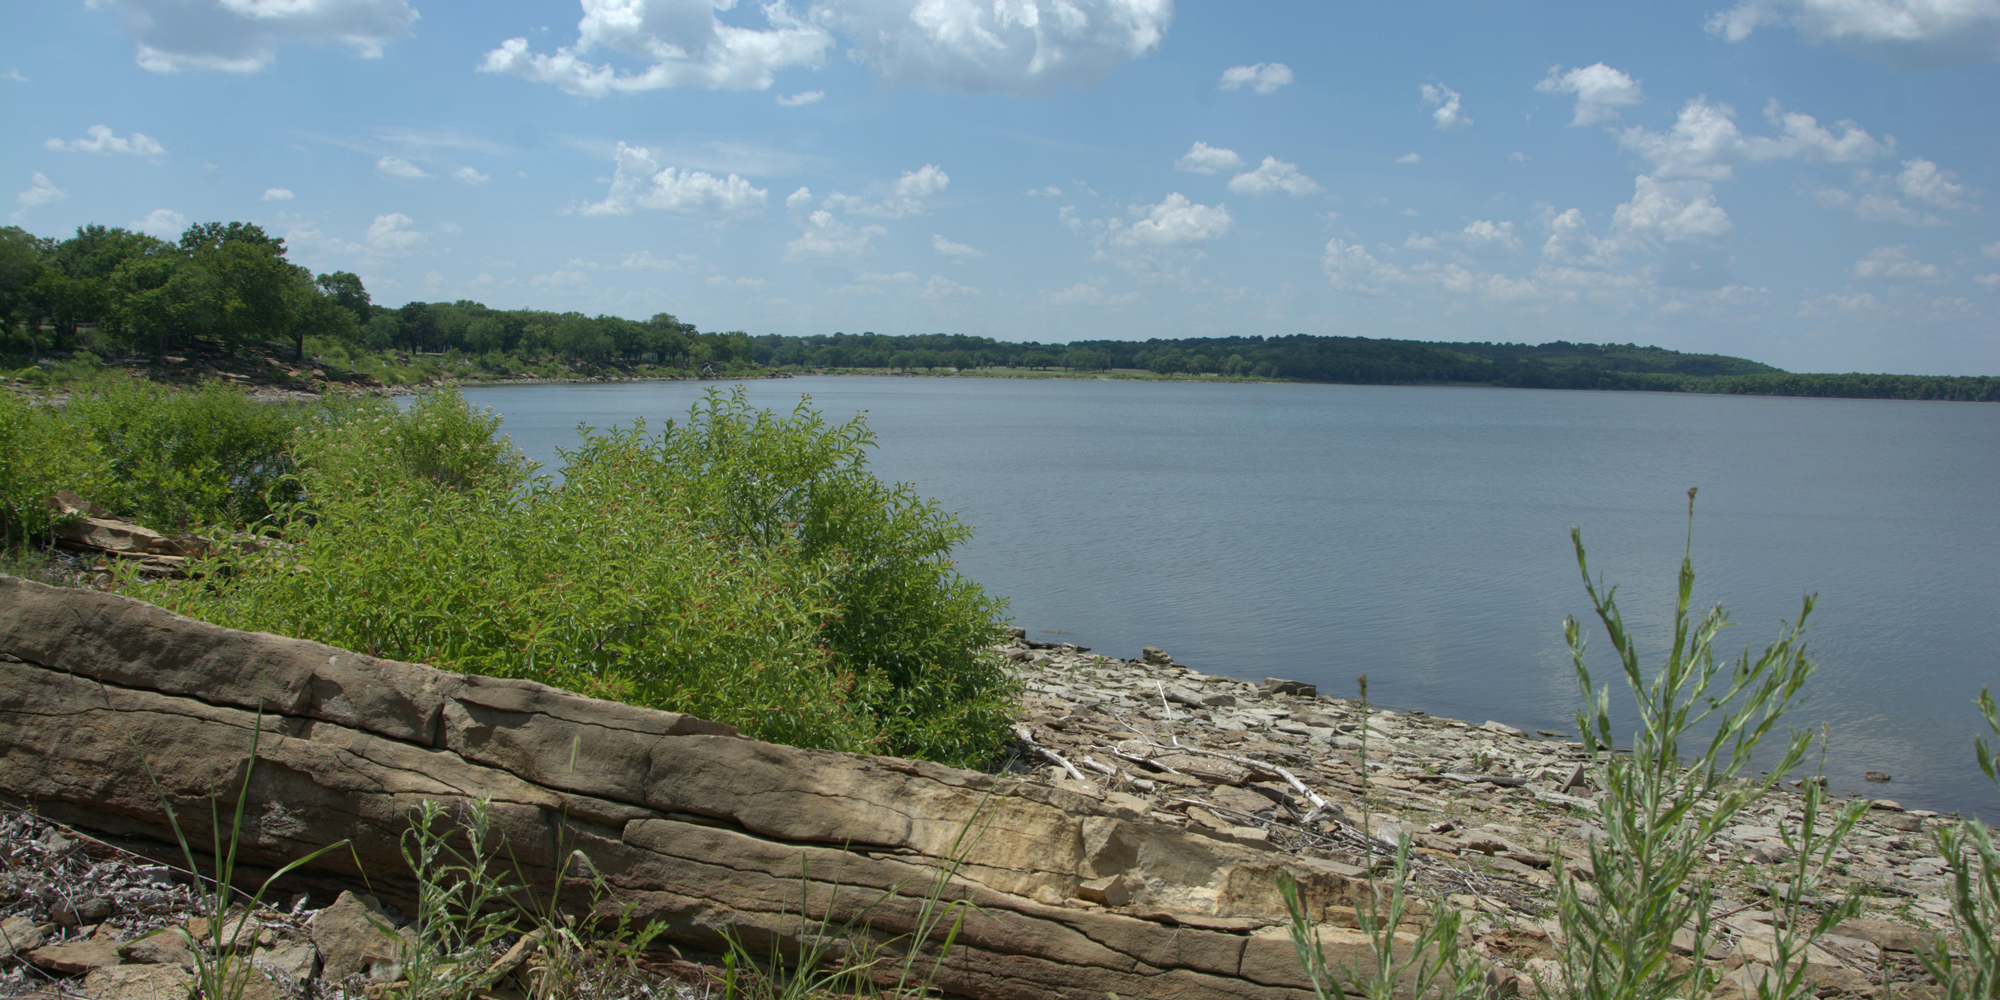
{"type": "Point", "coordinates": [1665, 799]}
{"type": "Point", "coordinates": [744, 567]}
{"type": "Point", "coordinates": [457, 919]}
{"type": "Point", "coordinates": [1433, 963]}
{"type": "Point", "coordinates": [170, 459]}
{"type": "Point", "coordinates": [1797, 924]}
{"type": "Point", "coordinates": [1971, 971]}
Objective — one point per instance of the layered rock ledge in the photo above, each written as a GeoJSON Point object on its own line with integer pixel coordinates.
{"type": "Point", "coordinates": [1079, 891]}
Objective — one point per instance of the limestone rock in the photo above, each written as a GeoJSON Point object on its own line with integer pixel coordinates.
{"type": "Point", "coordinates": [19, 935]}
{"type": "Point", "coordinates": [140, 982]}
{"type": "Point", "coordinates": [349, 939]}
{"type": "Point", "coordinates": [159, 948]}
{"type": "Point", "coordinates": [293, 962]}
{"type": "Point", "coordinates": [74, 958]}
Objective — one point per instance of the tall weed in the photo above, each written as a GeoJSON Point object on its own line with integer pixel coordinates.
{"type": "Point", "coordinates": [1668, 794]}
{"type": "Point", "coordinates": [1972, 971]}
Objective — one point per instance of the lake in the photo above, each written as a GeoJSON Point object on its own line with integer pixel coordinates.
{"type": "Point", "coordinates": [1421, 535]}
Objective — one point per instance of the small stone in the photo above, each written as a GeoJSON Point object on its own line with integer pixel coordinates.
{"type": "Point", "coordinates": [159, 948]}
{"type": "Point", "coordinates": [74, 958]}
{"type": "Point", "coordinates": [140, 982]}
{"type": "Point", "coordinates": [292, 962]}
{"type": "Point", "coordinates": [1878, 777]}
{"type": "Point", "coordinates": [19, 935]}
{"type": "Point", "coordinates": [1904, 822]}
{"type": "Point", "coordinates": [1886, 805]}
{"type": "Point", "coordinates": [1106, 891]}
{"type": "Point", "coordinates": [88, 910]}
{"type": "Point", "coordinates": [349, 938]}
{"type": "Point", "coordinates": [1501, 728]}
{"type": "Point", "coordinates": [1884, 934]}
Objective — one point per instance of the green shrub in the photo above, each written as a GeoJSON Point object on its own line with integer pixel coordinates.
{"type": "Point", "coordinates": [171, 459]}
{"type": "Point", "coordinates": [743, 567]}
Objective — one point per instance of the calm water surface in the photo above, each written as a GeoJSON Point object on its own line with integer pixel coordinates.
{"type": "Point", "coordinates": [1421, 535]}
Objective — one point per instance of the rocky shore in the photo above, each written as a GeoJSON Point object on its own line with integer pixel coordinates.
{"type": "Point", "coordinates": [1491, 811]}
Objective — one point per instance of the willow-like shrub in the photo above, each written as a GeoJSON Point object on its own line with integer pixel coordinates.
{"type": "Point", "coordinates": [742, 566]}
{"type": "Point", "coordinates": [175, 459]}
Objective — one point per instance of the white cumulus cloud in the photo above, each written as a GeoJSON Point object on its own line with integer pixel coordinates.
{"type": "Point", "coordinates": [103, 141]}
{"type": "Point", "coordinates": [1893, 263]}
{"type": "Point", "coordinates": [1906, 34]}
{"type": "Point", "coordinates": [1706, 144]}
{"type": "Point", "coordinates": [1019, 46]}
{"type": "Point", "coordinates": [1050, 191]}
{"type": "Point", "coordinates": [391, 236]}
{"type": "Point", "coordinates": [277, 194]}
{"type": "Point", "coordinates": [941, 287]}
{"type": "Point", "coordinates": [1202, 158]}
{"type": "Point", "coordinates": [41, 191]}
{"type": "Point", "coordinates": [242, 36]}
{"type": "Point", "coordinates": [1672, 211]}
{"type": "Point", "coordinates": [643, 260]}
{"type": "Point", "coordinates": [949, 249]}
{"type": "Point", "coordinates": [1447, 115]}
{"type": "Point", "coordinates": [161, 222]}
{"type": "Point", "coordinates": [826, 238]}
{"type": "Point", "coordinates": [1274, 175]}
{"type": "Point", "coordinates": [638, 181]}
{"type": "Point", "coordinates": [1409, 158]}
{"type": "Point", "coordinates": [905, 197]}
{"type": "Point", "coordinates": [801, 98]}
{"type": "Point", "coordinates": [681, 43]}
{"type": "Point", "coordinates": [1175, 221]}
{"type": "Point", "coordinates": [399, 168]}
{"type": "Point", "coordinates": [1921, 180]}
{"type": "Point", "coordinates": [1485, 234]}
{"type": "Point", "coordinates": [471, 176]}
{"type": "Point", "coordinates": [1260, 77]}
{"type": "Point", "coordinates": [1874, 197]}
{"type": "Point", "coordinates": [1350, 267]}
{"type": "Point", "coordinates": [1600, 91]}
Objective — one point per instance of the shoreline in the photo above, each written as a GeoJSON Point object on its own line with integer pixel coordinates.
{"type": "Point", "coordinates": [1490, 809]}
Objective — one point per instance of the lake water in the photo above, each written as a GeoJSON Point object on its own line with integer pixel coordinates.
{"type": "Point", "coordinates": [1421, 535]}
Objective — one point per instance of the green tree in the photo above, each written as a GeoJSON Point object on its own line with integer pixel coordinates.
{"type": "Point", "coordinates": [20, 267]}
{"type": "Point", "coordinates": [345, 288]}
{"type": "Point", "coordinates": [1165, 361]}
{"type": "Point", "coordinates": [160, 299]}
{"type": "Point", "coordinates": [256, 289]}
{"type": "Point", "coordinates": [319, 313]}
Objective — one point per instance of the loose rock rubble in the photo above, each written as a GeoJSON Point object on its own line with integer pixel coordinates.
{"type": "Point", "coordinates": [1490, 809]}
{"type": "Point", "coordinates": [82, 918]}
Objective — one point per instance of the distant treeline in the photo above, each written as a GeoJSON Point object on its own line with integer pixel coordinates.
{"type": "Point", "coordinates": [230, 285]}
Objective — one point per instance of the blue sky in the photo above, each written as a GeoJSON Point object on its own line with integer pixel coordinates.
{"type": "Point", "coordinates": [1803, 182]}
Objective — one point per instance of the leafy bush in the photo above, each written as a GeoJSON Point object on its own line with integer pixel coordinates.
{"type": "Point", "coordinates": [744, 567]}
{"type": "Point", "coordinates": [169, 459]}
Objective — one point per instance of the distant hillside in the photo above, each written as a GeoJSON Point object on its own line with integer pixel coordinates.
{"type": "Point", "coordinates": [1556, 365]}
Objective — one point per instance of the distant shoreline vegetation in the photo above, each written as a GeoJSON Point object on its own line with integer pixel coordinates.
{"type": "Point", "coordinates": [227, 291]}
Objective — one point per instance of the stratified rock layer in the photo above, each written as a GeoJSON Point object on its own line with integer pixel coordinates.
{"type": "Point", "coordinates": [690, 822]}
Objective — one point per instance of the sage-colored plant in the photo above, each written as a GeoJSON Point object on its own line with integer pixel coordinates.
{"type": "Point", "coordinates": [458, 919]}
{"type": "Point", "coordinates": [1797, 923]}
{"type": "Point", "coordinates": [1670, 794]}
{"type": "Point", "coordinates": [1972, 970]}
{"type": "Point", "coordinates": [1433, 962]}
